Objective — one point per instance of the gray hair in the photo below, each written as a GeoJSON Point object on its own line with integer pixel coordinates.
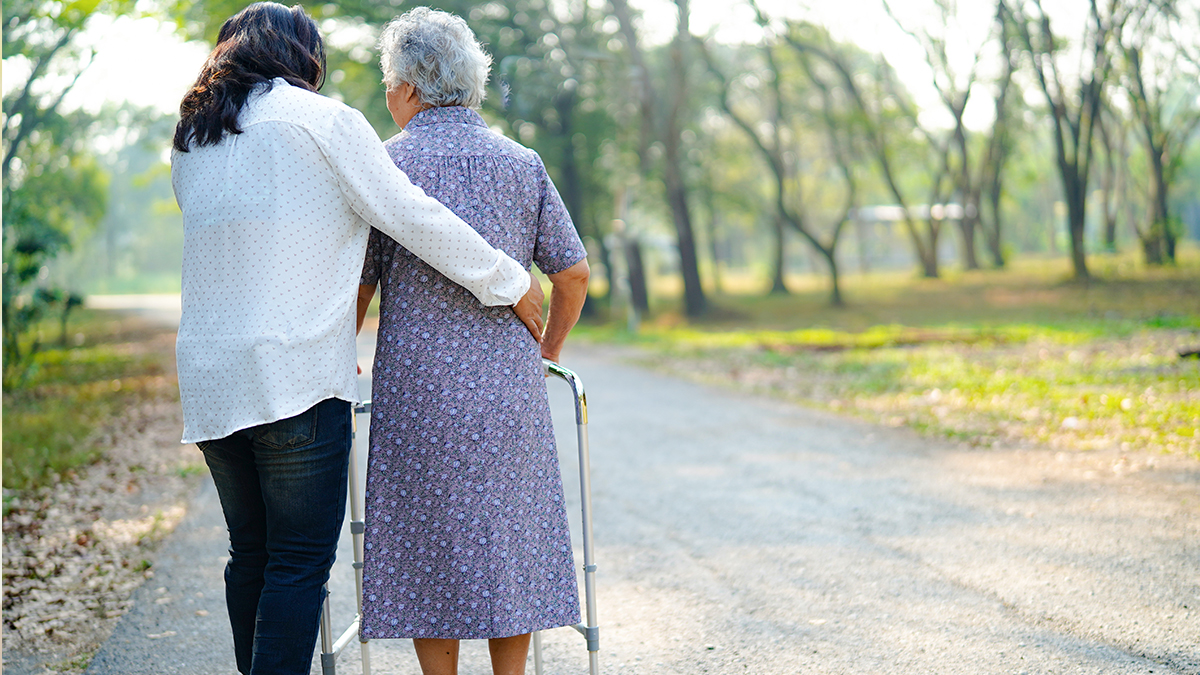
{"type": "Point", "coordinates": [436, 53]}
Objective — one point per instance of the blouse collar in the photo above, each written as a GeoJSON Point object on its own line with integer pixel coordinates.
{"type": "Point", "coordinates": [447, 115]}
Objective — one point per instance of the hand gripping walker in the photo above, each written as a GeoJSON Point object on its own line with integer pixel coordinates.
{"type": "Point", "coordinates": [330, 648]}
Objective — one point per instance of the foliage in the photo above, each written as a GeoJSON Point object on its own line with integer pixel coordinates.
{"type": "Point", "coordinates": [54, 189]}
{"type": "Point", "coordinates": [61, 196]}
{"type": "Point", "coordinates": [562, 84]}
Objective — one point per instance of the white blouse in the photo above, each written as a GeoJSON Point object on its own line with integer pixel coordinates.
{"type": "Point", "coordinates": [275, 223]}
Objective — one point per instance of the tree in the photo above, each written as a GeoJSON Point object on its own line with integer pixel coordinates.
{"type": "Point", "coordinates": [1161, 73]}
{"type": "Point", "coordinates": [955, 89]}
{"type": "Point", "coordinates": [1075, 108]}
{"type": "Point", "coordinates": [662, 121]}
{"type": "Point", "coordinates": [884, 114]}
{"type": "Point", "coordinates": [1113, 174]}
{"type": "Point", "coordinates": [769, 138]}
{"type": "Point", "coordinates": [53, 188]}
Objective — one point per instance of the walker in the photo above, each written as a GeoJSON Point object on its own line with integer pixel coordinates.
{"type": "Point", "coordinates": [331, 648]}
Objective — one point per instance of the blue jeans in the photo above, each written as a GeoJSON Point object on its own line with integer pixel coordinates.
{"type": "Point", "coordinates": [283, 490]}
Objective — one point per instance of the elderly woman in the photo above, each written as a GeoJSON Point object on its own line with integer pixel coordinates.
{"type": "Point", "coordinates": [467, 532]}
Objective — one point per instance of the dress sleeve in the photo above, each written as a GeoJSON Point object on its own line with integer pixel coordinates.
{"type": "Point", "coordinates": [558, 245]}
{"type": "Point", "coordinates": [383, 196]}
{"type": "Point", "coordinates": [373, 262]}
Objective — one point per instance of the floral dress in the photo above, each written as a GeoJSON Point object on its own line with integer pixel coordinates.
{"type": "Point", "coordinates": [466, 529]}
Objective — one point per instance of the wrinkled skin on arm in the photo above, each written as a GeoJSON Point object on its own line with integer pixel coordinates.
{"type": "Point", "coordinates": [566, 300]}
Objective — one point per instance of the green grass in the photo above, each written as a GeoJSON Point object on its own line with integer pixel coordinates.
{"type": "Point", "coordinates": [69, 392]}
{"type": "Point", "coordinates": [1014, 356]}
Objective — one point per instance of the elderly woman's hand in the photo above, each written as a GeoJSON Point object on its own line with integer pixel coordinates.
{"type": "Point", "coordinates": [529, 308]}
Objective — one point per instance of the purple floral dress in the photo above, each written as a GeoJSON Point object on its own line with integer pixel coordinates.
{"type": "Point", "coordinates": [466, 526]}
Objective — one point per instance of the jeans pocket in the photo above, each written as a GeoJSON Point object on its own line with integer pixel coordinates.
{"type": "Point", "coordinates": [289, 433]}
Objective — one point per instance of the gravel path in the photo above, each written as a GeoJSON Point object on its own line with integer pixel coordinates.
{"type": "Point", "coordinates": [741, 535]}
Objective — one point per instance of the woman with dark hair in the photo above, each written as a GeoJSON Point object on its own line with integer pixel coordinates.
{"type": "Point", "coordinates": [279, 188]}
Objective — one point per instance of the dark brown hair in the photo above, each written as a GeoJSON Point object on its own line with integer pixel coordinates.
{"type": "Point", "coordinates": [264, 41]}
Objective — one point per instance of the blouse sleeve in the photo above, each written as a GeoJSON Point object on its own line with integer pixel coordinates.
{"type": "Point", "coordinates": [373, 262]}
{"type": "Point", "coordinates": [558, 245]}
{"type": "Point", "coordinates": [383, 196]}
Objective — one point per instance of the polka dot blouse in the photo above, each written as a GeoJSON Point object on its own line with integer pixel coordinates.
{"type": "Point", "coordinates": [276, 221]}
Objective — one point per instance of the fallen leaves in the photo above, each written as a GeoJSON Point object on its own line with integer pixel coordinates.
{"type": "Point", "coordinates": [75, 552]}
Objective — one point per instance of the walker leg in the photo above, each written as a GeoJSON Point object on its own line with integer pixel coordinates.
{"type": "Point", "coordinates": [537, 653]}
{"type": "Point", "coordinates": [328, 656]}
{"type": "Point", "coordinates": [357, 530]}
{"type": "Point", "coordinates": [591, 629]}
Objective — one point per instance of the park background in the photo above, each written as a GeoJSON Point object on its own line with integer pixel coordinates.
{"type": "Point", "coordinates": [978, 220]}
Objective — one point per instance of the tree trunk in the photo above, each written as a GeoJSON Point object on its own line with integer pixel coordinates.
{"type": "Point", "coordinates": [638, 295]}
{"type": "Point", "coordinates": [1076, 195]}
{"type": "Point", "coordinates": [714, 247]}
{"type": "Point", "coordinates": [994, 243]}
{"type": "Point", "coordinates": [694, 302]}
{"type": "Point", "coordinates": [1170, 240]}
{"type": "Point", "coordinates": [778, 258]}
{"type": "Point", "coordinates": [835, 290]}
{"type": "Point", "coordinates": [1159, 223]}
{"type": "Point", "coordinates": [1107, 190]}
{"type": "Point", "coordinates": [966, 227]}
{"type": "Point", "coordinates": [1152, 249]}
{"type": "Point", "coordinates": [970, 217]}
{"type": "Point", "coordinates": [929, 266]}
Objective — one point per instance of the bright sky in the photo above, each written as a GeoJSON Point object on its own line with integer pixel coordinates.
{"type": "Point", "coordinates": [141, 61]}
{"type": "Point", "coordinates": [144, 62]}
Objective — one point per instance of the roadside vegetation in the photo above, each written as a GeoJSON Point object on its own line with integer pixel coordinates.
{"type": "Point", "coordinates": [94, 478]}
{"type": "Point", "coordinates": [985, 357]}
{"type": "Point", "coordinates": [54, 406]}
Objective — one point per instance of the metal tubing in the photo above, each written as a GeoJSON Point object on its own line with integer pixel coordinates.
{"type": "Point", "coordinates": [345, 638]}
{"type": "Point", "coordinates": [357, 530]}
{"type": "Point", "coordinates": [330, 649]}
{"type": "Point", "coordinates": [589, 562]}
{"type": "Point", "coordinates": [537, 653]}
{"type": "Point", "coordinates": [591, 631]}
{"type": "Point", "coordinates": [327, 655]}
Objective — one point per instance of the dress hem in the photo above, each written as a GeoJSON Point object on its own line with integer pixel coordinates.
{"type": "Point", "coordinates": [405, 635]}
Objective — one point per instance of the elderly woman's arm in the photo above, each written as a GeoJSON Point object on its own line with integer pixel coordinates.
{"type": "Point", "coordinates": [567, 294]}
{"type": "Point", "coordinates": [365, 293]}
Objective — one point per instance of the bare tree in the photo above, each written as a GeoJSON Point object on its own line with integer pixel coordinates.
{"type": "Point", "coordinates": [955, 89]}
{"type": "Point", "coordinates": [876, 128]}
{"type": "Point", "coordinates": [1075, 108]}
{"type": "Point", "coordinates": [1161, 74]}
{"type": "Point", "coordinates": [999, 143]}
{"type": "Point", "coordinates": [669, 133]}
{"type": "Point", "coordinates": [769, 139]}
